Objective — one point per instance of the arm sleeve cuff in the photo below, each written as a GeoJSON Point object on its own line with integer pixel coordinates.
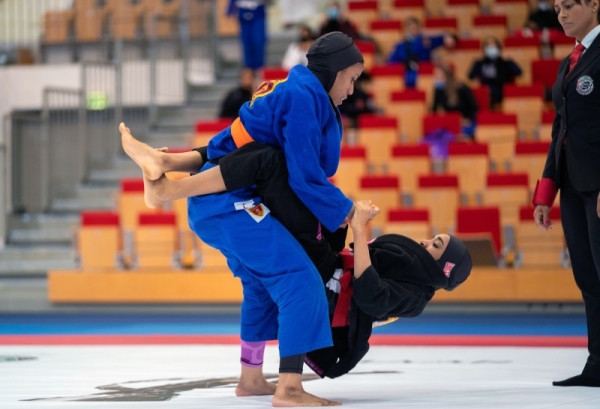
{"type": "Point", "coordinates": [203, 151]}
{"type": "Point", "coordinates": [545, 192]}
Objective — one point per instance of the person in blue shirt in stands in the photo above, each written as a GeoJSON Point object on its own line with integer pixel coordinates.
{"type": "Point", "coordinates": [417, 47]}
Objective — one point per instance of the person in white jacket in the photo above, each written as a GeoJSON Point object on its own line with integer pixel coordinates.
{"type": "Point", "coordinates": [296, 51]}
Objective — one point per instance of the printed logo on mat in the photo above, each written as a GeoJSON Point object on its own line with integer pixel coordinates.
{"type": "Point", "coordinates": [258, 212]}
{"type": "Point", "coordinates": [448, 268]}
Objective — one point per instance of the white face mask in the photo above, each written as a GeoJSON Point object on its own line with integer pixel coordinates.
{"type": "Point", "coordinates": [491, 52]}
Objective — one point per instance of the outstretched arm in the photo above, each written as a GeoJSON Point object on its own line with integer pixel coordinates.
{"type": "Point", "coordinates": [363, 212]}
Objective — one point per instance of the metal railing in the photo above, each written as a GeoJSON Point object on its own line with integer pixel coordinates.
{"type": "Point", "coordinates": [45, 155]}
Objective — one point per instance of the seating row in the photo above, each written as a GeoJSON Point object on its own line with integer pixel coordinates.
{"type": "Point", "coordinates": [95, 20]}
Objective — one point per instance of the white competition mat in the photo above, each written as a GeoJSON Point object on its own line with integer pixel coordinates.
{"type": "Point", "coordinates": [204, 376]}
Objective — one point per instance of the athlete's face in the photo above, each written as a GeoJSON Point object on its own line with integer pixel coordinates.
{"type": "Point", "coordinates": [436, 245]}
{"type": "Point", "coordinates": [577, 19]}
{"type": "Point", "coordinates": [344, 83]}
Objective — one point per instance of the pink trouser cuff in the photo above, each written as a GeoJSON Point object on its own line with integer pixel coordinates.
{"type": "Point", "coordinates": [252, 353]}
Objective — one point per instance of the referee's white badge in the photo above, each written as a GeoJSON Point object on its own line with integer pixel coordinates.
{"type": "Point", "coordinates": [585, 85]}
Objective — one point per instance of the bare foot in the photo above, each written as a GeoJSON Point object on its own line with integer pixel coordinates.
{"type": "Point", "coordinates": [143, 155]}
{"type": "Point", "coordinates": [293, 397]}
{"type": "Point", "coordinates": [256, 387]}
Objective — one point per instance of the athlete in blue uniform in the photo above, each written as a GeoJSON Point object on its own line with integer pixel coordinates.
{"type": "Point", "coordinates": [283, 293]}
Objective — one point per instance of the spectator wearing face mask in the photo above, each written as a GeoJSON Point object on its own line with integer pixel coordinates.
{"type": "Point", "coordinates": [543, 17]}
{"type": "Point", "coordinates": [336, 21]}
{"type": "Point", "coordinates": [296, 51]}
{"type": "Point", "coordinates": [494, 71]}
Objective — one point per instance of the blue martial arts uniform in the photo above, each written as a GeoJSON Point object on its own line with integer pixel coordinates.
{"type": "Point", "coordinates": [283, 292]}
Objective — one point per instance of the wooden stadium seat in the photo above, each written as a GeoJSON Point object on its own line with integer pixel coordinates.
{"type": "Point", "coordinates": [353, 165]}
{"type": "Point", "coordinates": [435, 8]}
{"type": "Point", "coordinates": [386, 33]}
{"type": "Point", "coordinates": [545, 72]}
{"type": "Point", "coordinates": [378, 134]}
{"type": "Point", "coordinates": [408, 162]}
{"type": "Point", "coordinates": [425, 81]}
{"type": "Point", "coordinates": [463, 11]}
{"type": "Point", "coordinates": [449, 121]}
{"type": "Point", "coordinates": [402, 9]}
{"type": "Point", "coordinates": [413, 223]}
{"type": "Point", "coordinates": [99, 244]}
{"type": "Point", "coordinates": [125, 19]}
{"type": "Point", "coordinates": [482, 96]}
{"type": "Point", "coordinates": [516, 11]}
{"type": "Point", "coordinates": [164, 13]}
{"type": "Point", "coordinates": [489, 25]}
{"type": "Point", "coordinates": [90, 20]}
{"type": "Point", "coordinates": [523, 50]}
{"type": "Point", "coordinates": [538, 248]}
{"type": "Point", "coordinates": [508, 191]}
{"type": "Point", "coordinates": [385, 79]}
{"type": "Point", "coordinates": [530, 158]}
{"type": "Point", "coordinates": [198, 25]}
{"type": "Point", "coordinates": [525, 101]}
{"type": "Point", "coordinates": [440, 25]}
{"type": "Point", "coordinates": [499, 131]}
{"type": "Point", "coordinates": [362, 12]}
{"type": "Point", "coordinates": [155, 241]}
{"type": "Point", "coordinates": [189, 255]}
{"type": "Point", "coordinates": [470, 162]}
{"type": "Point", "coordinates": [205, 130]}
{"type": "Point", "coordinates": [470, 220]}
{"type": "Point", "coordinates": [409, 107]}
{"type": "Point", "coordinates": [562, 46]}
{"type": "Point", "coordinates": [367, 49]}
{"type": "Point", "coordinates": [131, 203]}
{"type": "Point", "coordinates": [227, 26]}
{"type": "Point", "coordinates": [439, 194]}
{"type": "Point", "coordinates": [545, 131]}
{"type": "Point", "coordinates": [274, 73]}
{"type": "Point", "coordinates": [383, 191]}
{"type": "Point", "coordinates": [58, 26]}
{"type": "Point", "coordinates": [462, 56]}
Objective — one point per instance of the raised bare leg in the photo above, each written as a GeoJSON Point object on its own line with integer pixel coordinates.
{"type": "Point", "coordinates": [161, 190]}
{"type": "Point", "coordinates": [290, 393]}
{"type": "Point", "coordinates": [155, 162]}
{"type": "Point", "coordinates": [143, 155]}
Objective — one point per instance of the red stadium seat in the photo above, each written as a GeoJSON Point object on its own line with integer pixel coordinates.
{"type": "Point", "coordinates": [470, 220]}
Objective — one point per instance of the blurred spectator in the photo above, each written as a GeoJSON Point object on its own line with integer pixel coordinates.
{"type": "Point", "coordinates": [336, 21]}
{"type": "Point", "coordinates": [238, 96]}
{"type": "Point", "coordinates": [543, 17]}
{"type": "Point", "coordinates": [296, 51]}
{"type": "Point", "coordinates": [360, 102]}
{"type": "Point", "coordinates": [494, 71]}
{"type": "Point", "coordinates": [451, 95]}
{"type": "Point", "coordinates": [542, 23]}
{"type": "Point", "coordinates": [252, 18]}
{"type": "Point", "coordinates": [416, 48]}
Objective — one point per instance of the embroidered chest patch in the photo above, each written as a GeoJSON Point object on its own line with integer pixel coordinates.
{"type": "Point", "coordinates": [585, 85]}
